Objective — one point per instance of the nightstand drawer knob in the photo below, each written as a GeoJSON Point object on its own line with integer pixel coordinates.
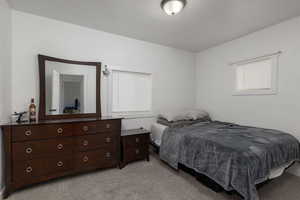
{"type": "Point", "coordinates": [107, 125]}
{"type": "Point", "coordinates": [137, 140]}
{"type": "Point", "coordinates": [29, 169]}
{"type": "Point", "coordinates": [108, 140]}
{"type": "Point", "coordinates": [28, 132]}
{"type": "Point", "coordinates": [85, 142]}
{"type": "Point", "coordinates": [60, 130]}
{"type": "Point", "coordinates": [85, 128]}
{"type": "Point", "coordinates": [28, 150]}
{"type": "Point", "coordinates": [85, 159]}
{"type": "Point", "coordinates": [137, 151]}
{"type": "Point", "coordinates": [108, 155]}
{"type": "Point", "coordinates": [60, 164]}
{"type": "Point", "coordinates": [60, 146]}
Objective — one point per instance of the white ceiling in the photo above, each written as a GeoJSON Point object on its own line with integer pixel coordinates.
{"type": "Point", "coordinates": [202, 24]}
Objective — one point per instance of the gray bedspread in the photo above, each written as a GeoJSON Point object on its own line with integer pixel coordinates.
{"type": "Point", "coordinates": [236, 157]}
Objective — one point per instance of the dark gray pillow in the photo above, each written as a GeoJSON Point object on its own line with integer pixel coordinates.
{"type": "Point", "coordinates": [181, 123]}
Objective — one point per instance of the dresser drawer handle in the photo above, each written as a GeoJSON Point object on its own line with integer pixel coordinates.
{"type": "Point", "coordinates": [28, 133]}
{"type": "Point", "coordinates": [85, 128]}
{"type": "Point", "coordinates": [60, 130]}
{"type": "Point", "coordinates": [60, 164]}
{"type": "Point", "coordinates": [85, 159]}
{"type": "Point", "coordinates": [137, 140]}
{"type": "Point", "coordinates": [29, 169]}
{"type": "Point", "coordinates": [85, 142]}
{"type": "Point", "coordinates": [60, 146]}
{"type": "Point", "coordinates": [108, 140]}
{"type": "Point", "coordinates": [29, 150]}
{"type": "Point", "coordinates": [107, 125]}
{"type": "Point", "coordinates": [108, 155]}
{"type": "Point", "coordinates": [137, 151]}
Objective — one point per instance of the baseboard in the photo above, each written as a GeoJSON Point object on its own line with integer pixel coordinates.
{"type": "Point", "coordinates": [1, 192]}
{"type": "Point", "coordinates": [295, 169]}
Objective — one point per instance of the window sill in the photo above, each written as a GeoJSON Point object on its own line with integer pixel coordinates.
{"type": "Point", "coordinates": [133, 116]}
{"type": "Point", "coordinates": [255, 92]}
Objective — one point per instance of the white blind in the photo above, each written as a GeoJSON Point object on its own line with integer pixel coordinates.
{"type": "Point", "coordinates": [256, 75]}
{"type": "Point", "coordinates": [131, 91]}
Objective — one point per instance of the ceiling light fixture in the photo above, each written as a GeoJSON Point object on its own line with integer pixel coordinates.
{"type": "Point", "coordinates": [173, 7]}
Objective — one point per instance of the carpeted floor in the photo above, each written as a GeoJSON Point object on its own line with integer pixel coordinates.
{"type": "Point", "coordinates": [146, 181]}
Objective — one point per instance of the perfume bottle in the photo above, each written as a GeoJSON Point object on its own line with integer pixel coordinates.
{"type": "Point", "coordinates": [32, 111]}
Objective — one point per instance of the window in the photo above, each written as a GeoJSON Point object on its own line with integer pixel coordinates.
{"type": "Point", "coordinates": [131, 92]}
{"type": "Point", "coordinates": [256, 76]}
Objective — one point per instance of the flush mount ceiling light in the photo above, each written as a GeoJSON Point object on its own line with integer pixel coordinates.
{"type": "Point", "coordinates": [173, 7]}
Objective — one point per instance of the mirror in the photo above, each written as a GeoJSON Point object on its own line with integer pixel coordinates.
{"type": "Point", "coordinates": [69, 89]}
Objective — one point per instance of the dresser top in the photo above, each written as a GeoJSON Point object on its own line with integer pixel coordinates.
{"type": "Point", "coordinates": [60, 121]}
{"type": "Point", "coordinates": [134, 132]}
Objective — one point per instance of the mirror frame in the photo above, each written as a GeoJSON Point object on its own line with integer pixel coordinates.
{"type": "Point", "coordinates": [42, 108]}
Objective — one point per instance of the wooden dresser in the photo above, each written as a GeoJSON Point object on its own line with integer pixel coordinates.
{"type": "Point", "coordinates": [41, 151]}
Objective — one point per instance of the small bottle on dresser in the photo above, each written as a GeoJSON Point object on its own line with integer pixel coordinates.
{"type": "Point", "coordinates": [32, 111]}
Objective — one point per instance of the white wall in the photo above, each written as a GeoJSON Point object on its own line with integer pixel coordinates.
{"type": "Point", "coordinates": [5, 60]}
{"type": "Point", "coordinates": [173, 70]}
{"type": "Point", "coordinates": [214, 80]}
{"type": "Point", "coordinates": [5, 69]}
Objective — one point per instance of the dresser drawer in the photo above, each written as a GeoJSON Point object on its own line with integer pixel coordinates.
{"type": "Point", "coordinates": [97, 127]}
{"type": "Point", "coordinates": [28, 170]}
{"type": "Point", "coordinates": [135, 140]}
{"type": "Point", "coordinates": [137, 153]}
{"type": "Point", "coordinates": [35, 132]}
{"type": "Point", "coordinates": [108, 125]}
{"type": "Point", "coordinates": [88, 142]}
{"type": "Point", "coordinates": [42, 148]}
{"type": "Point", "coordinates": [85, 128]}
{"type": "Point", "coordinates": [102, 158]}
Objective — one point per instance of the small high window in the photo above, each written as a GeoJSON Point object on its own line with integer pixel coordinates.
{"type": "Point", "coordinates": [256, 76]}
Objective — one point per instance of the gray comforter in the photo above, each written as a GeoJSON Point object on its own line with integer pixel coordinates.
{"type": "Point", "coordinates": [236, 157]}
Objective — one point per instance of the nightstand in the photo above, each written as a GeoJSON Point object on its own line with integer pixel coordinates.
{"type": "Point", "coordinates": [134, 146]}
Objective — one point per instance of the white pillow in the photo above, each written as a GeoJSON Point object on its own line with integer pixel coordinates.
{"type": "Point", "coordinates": [174, 116]}
{"type": "Point", "coordinates": [196, 114]}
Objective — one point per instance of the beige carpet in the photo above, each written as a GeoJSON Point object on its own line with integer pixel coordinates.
{"type": "Point", "coordinates": [146, 181]}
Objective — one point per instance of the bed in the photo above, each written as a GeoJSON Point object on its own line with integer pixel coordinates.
{"type": "Point", "coordinates": [236, 157]}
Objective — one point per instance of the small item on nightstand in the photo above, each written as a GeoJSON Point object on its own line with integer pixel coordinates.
{"type": "Point", "coordinates": [20, 116]}
{"type": "Point", "coordinates": [32, 111]}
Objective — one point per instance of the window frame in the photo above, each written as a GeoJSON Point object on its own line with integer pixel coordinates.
{"type": "Point", "coordinates": [274, 77]}
{"type": "Point", "coordinates": [128, 114]}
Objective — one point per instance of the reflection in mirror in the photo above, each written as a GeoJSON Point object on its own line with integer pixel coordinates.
{"type": "Point", "coordinates": [70, 88]}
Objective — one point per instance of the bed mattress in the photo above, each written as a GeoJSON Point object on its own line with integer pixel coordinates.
{"type": "Point", "coordinates": [157, 131]}
{"type": "Point", "coordinates": [236, 157]}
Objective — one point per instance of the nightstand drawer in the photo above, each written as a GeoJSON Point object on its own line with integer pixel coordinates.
{"type": "Point", "coordinates": [138, 153]}
{"type": "Point", "coordinates": [135, 140]}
